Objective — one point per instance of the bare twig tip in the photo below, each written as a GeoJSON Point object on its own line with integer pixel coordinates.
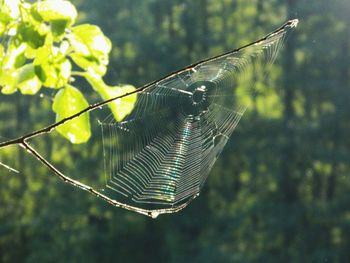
{"type": "Point", "coordinates": [293, 23]}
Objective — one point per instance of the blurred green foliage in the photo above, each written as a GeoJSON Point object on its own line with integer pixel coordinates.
{"type": "Point", "coordinates": [278, 193]}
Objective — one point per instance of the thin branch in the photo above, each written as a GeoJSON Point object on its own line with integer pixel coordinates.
{"type": "Point", "coordinates": [48, 129]}
{"type": "Point", "coordinates": [9, 168]}
{"type": "Point", "coordinates": [22, 141]}
{"type": "Point", "coordinates": [66, 179]}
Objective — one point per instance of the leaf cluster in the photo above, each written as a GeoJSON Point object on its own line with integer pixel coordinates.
{"type": "Point", "coordinates": [40, 48]}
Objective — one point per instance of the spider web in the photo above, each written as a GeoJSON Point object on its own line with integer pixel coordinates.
{"type": "Point", "coordinates": [157, 159]}
{"type": "Point", "coordinates": [160, 155]}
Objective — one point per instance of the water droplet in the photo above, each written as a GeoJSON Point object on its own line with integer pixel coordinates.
{"type": "Point", "coordinates": [154, 214]}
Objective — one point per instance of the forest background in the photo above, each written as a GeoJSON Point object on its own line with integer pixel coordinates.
{"type": "Point", "coordinates": [280, 192]}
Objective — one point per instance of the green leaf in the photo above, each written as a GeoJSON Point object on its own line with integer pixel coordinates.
{"type": "Point", "coordinates": [124, 106]}
{"type": "Point", "coordinates": [89, 39]}
{"type": "Point", "coordinates": [54, 75]}
{"type": "Point", "coordinates": [89, 63]}
{"type": "Point", "coordinates": [14, 57]}
{"type": "Point", "coordinates": [34, 12]}
{"type": "Point", "coordinates": [2, 28]}
{"type": "Point", "coordinates": [9, 14]}
{"type": "Point", "coordinates": [120, 107]}
{"type": "Point", "coordinates": [91, 48]}
{"type": "Point", "coordinates": [2, 50]}
{"type": "Point", "coordinates": [27, 82]}
{"type": "Point", "coordinates": [52, 68]}
{"type": "Point", "coordinates": [11, 8]}
{"type": "Point", "coordinates": [8, 81]}
{"type": "Point", "coordinates": [53, 10]}
{"type": "Point", "coordinates": [5, 17]}
{"type": "Point", "coordinates": [30, 35]}
{"type": "Point", "coordinates": [10, 62]}
{"type": "Point", "coordinates": [30, 53]}
{"type": "Point", "coordinates": [58, 27]}
{"type": "Point", "coordinates": [67, 102]}
{"type": "Point", "coordinates": [27, 16]}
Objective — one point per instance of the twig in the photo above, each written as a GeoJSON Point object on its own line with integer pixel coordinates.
{"type": "Point", "coordinates": [48, 129]}
{"type": "Point", "coordinates": [22, 141]}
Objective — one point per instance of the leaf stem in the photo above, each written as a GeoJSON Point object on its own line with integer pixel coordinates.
{"type": "Point", "coordinates": [79, 73]}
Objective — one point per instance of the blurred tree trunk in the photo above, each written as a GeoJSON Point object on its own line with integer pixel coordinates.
{"type": "Point", "coordinates": [157, 15]}
{"type": "Point", "coordinates": [317, 185]}
{"type": "Point", "coordinates": [337, 129]}
{"type": "Point", "coordinates": [225, 27]}
{"type": "Point", "coordinates": [205, 27]}
{"type": "Point", "coordinates": [171, 30]}
{"type": "Point", "coordinates": [287, 180]}
{"type": "Point", "coordinates": [21, 111]}
{"type": "Point", "coordinates": [287, 184]}
{"type": "Point", "coordinates": [190, 29]}
{"type": "Point", "coordinates": [22, 118]}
